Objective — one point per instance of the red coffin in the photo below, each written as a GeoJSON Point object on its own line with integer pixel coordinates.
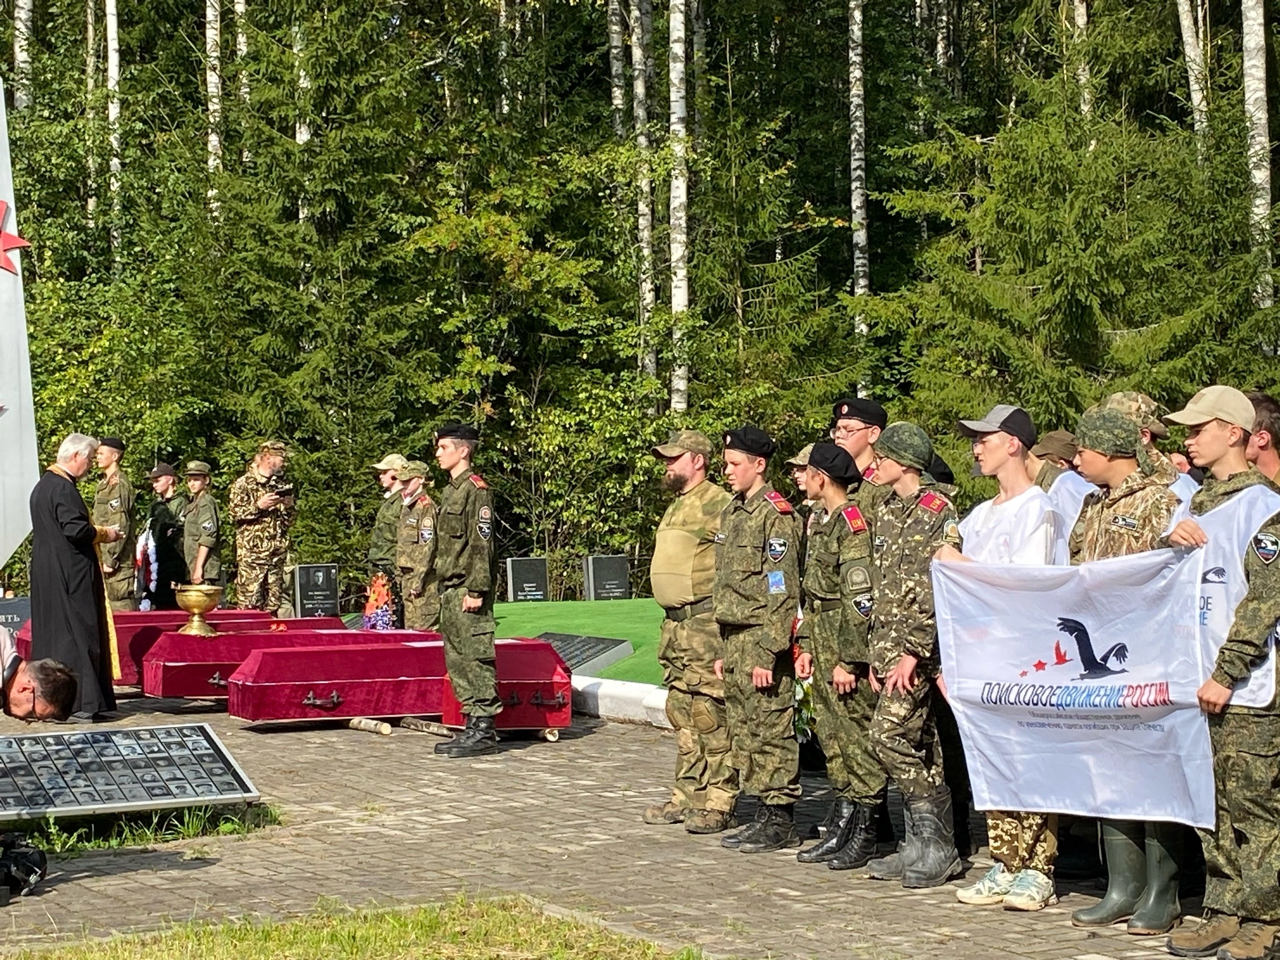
{"type": "Point", "coordinates": [181, 665]}
{"type": "Point", "coordinates": [316, 683]}
{"type": "Point", "coordinates": [534, 686]}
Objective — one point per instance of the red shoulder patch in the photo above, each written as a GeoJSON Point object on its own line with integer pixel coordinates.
{"type": "Point", "coordinates": [853, 517]}
{"type": "Point", "coordinates": [934, 503]}
{"type": "Point", "coordinates": [780, 503]}
{"type": "Point", "coordinates": [478, 480]}
{"type": "Point", "coordinates": [870, 472]}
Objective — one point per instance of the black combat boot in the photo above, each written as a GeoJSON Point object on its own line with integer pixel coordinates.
{"type": "Point", "coordinates": [836, 837]}
{"type": "Point", "coordinates": [861, 845]}
{"type": "Point", "coordinates": [732, 840]}
{"type": "Point", "coordinates": [829, 819]}
{"type": "Point", "coordinates": [445, 747]}
{"type": "Point", "coordinates": [777, 831]}
{"type": "Point", "coordinates": [1123, 841]}
{"type": "Point", "coordinates": [936, 860]}
{"type": "Point", "coordinates": [483, 739]}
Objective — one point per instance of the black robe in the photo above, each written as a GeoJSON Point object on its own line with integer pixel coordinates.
{"type": "Point", "coordinates": [68, 604]}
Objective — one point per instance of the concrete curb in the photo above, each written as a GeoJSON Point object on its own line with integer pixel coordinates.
{"type": "Point", "coordinates": [621, 700]}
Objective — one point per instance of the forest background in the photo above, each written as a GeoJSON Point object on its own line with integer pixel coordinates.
{"type": "Point", "coordinates": [580, 224]}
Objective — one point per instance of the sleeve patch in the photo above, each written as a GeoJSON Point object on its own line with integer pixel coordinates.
{"type": "Point", "coordinates": [1267, 547]}
{"type": "Point", "coordinates": [776, 548]}
{"type": "Point", "coordinates": [777, 582]}
{"type": "Point", "coordinates": [853, 517]}
{"type": "Point", "coordinates": [934, 503]}
{"type": "Point", "coordinates": [425, 534]}
{"type": "Point", "coordinates": [857, 578]}
{"type": "Point", "coordinates": [478, 481]}
{"type": "Point", "coordinates": [485, 529]}
{"type": "Point", "coordinates": [863, 603]}
{"type": "Point", "coordinates": [780, 503]}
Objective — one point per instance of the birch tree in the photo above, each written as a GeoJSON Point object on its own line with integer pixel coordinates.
{"type": "Point", "coordinates": [1254, 64]}
{"type": "Point", "coordinates": [213, 82]}
{"type": "Point", "coordinates": [644, 187]}
{"type": "Point", "coordinates": [1081, 15]}
{"type": "Point", "coordinates": [23, 24]}
{"type": "Point", "coordinates": [617, 70]}
{"type": "Point", "coordinates": [113, 114]}
{"type": "Point", "coordinates": [1194, 27]}
{"type": "Point", "coordinates": [678, 225]}
{"type": "Point", "coordinates": [241, 9]}
{"type": "Point", "coordinates": [90, 83]}
{"type": "Point", "coordinates": [861, 279]}
{"type": "Point", "coordinates": [504, 50]}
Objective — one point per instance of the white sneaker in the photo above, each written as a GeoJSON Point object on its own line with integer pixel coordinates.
{"type": "Point", "coordinates": [1031, 890]}
{"type": "Point", "coordinates": [992, 888]}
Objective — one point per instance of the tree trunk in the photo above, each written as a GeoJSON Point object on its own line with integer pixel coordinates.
{"type": "Point", "coordinates": [504, 50]}
{"type": "Point", "coordinates": [1191, 21]}
{"type": "Point", "coordinates": [242, 47]}
{"type": "Point", "coordinates": [644, 188]}
{"type": "Point", "coordinates": [213, 83]}
{"type": "Point", "coordinates": [617, 71]}
{"type": "Point", "coordinates": [90, 83]}
{"type": "Point", "coordinates": [302, 129]}
{"type": "Point", "coordinates": [1253, 35]}
{"type": "Point", "coordinates": [701, 85]}
{"type": "Point", "coordinates": [861, 281]}
{"type": "Point", "coordinates": [942, 36]}
{"type": "Point", "coordinates": [1081, 10]}
{"type": "Point", "coordinates": [679, 215]}
{"type": "Point", "coordinates": [113, 115]}
{"type": "Point", "coordinates": [23, 24]}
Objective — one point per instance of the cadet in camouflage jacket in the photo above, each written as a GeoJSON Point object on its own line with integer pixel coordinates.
{"type": "Point", "coordinates": [416, 551]}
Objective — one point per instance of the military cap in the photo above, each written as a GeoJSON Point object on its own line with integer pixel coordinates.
{"type": "Point", "coordinates": [198, 468]}
{"type": "Point", "coordinates": [275, 447]}
{"type": "Point", "coordinates": [1003, 418]}
{"type": "Point", "coordinates": [1140, 408]}
{"type": "Point", "coordinates": [681, 442]}
{"type": "Point", "coordinates": [162, 469]}
{"type": "Point", "coordinates": [453, 430]}
{"type": "Point", "coordinates": [392, 461]}
{"type": "Point", "coordinates": [115, 443]}
{"type": "Point", "coordinates": [801, 459]}
{"type": "Point", "coordinates": [939, 470]}
{"type": "Point", "coordinates": [412, 469]}
{"type": "Point", "coordinates": [907, 444]}
{"type": "Point", "coordinates": [1108, 431]}
{"type": "Point", "coordinates": [859, 408]}
{"type": "Point", "coordinates": [749, 439]}
{"type": "Point", "coordinates": [836, 463]}
{"type": "Point", "coordinates": [1217, 403]}
{"type": "Point", "coordinates": [1059, 444]}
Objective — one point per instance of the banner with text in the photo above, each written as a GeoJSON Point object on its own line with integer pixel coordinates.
{"type": "Point", "coordinates": [1075, 687]}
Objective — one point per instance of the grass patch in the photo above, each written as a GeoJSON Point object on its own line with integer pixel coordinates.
{"type": "Point", "coordinates": [462, 930]}
{"type": "Point", "coordinates": [639, 621]}
{"type": "Point", "coordinates": [72, 836]}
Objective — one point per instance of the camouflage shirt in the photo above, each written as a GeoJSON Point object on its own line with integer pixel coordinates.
{"type": "Point", "coordinates": [1048, 473]}
{"type": "Point", "coordinates": [382, 541]}
{"type": "Point", "coordinates": [907, 533]}
{"type": "Point", "coordinates": [837, 584]}
{"type": "Point", "coordinates": [683, 570]}
{"type": "Point", "coordinates": [757, 580]}
{"type": "Point", "coordinates": [1247, 641]}
{"type": "Point", "coordinates": [113, 506]}
{"type": "Point", "coordinates": [1130, 519]}
{"type": "Point", "coordinates": [416, 541]}
{"type": "Point", "coordinates": [464, 532]}
{"type": "Point", "coordinates": [202, 527]}
{"type": "Point", "coordinates": [260, 534]}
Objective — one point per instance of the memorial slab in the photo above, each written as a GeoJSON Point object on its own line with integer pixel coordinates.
{"type": "Point", "coordinates": [588, 655]}
{"type": "Point", "coordinates": [527, 579]}
{"type": "Point", "coordinates": [316, 590]}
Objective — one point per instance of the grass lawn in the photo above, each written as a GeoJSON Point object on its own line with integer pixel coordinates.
{"type": "Point", "coordinates": [639, 621]}
{"type": "Point", "coordinates": [508, 929]}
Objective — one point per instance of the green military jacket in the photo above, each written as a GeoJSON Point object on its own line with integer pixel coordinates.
{"type": "Point", "coordinates": [113, 506]}
{"type": "Point", "coordinates": [683, 569]}
{"type": "Point", "coordinates": [165, 523]}
{"type": "Point", "coordinates": [260, 534]}
{"type": "Point", "coordinates": [907, 533]}
{"type": "Point", "coordinates": [202, 527]}
{"type": "Point", "coordinates": [386, 527]}
{"type": "Point", "coordinates": [837, 588]}
{"type": "Point", "coordinates": [757, 580]}
{"type": "Point", "coordinates": [464, 535]}
{"type": "Point", "coordinates": [1130, 519]}
{"type": "Point", "coordinates": [416, 542]}
{"type": "Point", "coordinates": [1047, 473]}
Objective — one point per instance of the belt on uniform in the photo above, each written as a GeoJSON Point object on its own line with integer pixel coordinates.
{"type": "Point", "coordinates": [823, 606]}
{"type": "Point", "coordinates": [681, 614]}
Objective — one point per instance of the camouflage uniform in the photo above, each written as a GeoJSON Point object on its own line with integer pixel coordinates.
{"type": "Point", "coordinates": [907, 534]}
{"type": "Point", "coordinates": [262, 542]}
{"type": "Point", "coordinates": [416, 562]}
{"type": "Point", "coordinates": [383, 541]}
{"type": "Point", "coordinates": [202, 527]}
{"type": "Point", "coordinates": [464, 564]}
{"type": "Point", "coordinates": [1242, 855]}
{"type": "Point", "coordinates": [682, 575]}
{"type": "Point", "coordinates": [837, 610]}
{"type": "Point", "coordinates": [113, 506]}
{"type": "Point", "coordinates": [1047, 473]}
{"type": "Point", "coordinates": [756, 593]}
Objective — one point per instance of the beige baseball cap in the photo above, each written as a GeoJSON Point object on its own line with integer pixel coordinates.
{"type": "Point", "coordinates": [684, 441]}
{"type": "Point", "coordinates": [1216, 403]}
{"type": "Point", "coordinates": [392, 461]}
{"type": "Point", "coordinates": [801, 459]}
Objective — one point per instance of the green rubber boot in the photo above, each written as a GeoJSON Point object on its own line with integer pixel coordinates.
{"type": "Point", "coordinates": [1160, 911]}
{"type": "Point", "coordinates": [1125, 843]}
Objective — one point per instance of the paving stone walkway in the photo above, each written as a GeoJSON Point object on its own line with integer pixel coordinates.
{"type": "Point", "coordinates": [383, 821]}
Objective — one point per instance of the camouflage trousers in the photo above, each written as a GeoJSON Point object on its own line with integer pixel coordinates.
{"type": "Point", "coordinates": [121, 589]}
{"type": "Point", "coordinates": [1242, 853]}
{"type": "Point", "coordinates": [421, 613]}
{"type": "Point", "coordinates": [468, 653]}
{"type": "Point", "coordinates": [762, 733]}
{"type": "Point", "coordinates": [705, 778]}
{"type": "Point", "coordinates": [904, 737]}
{"type": "Point", "coordinates": [1023, 841]}
{"type": "Point", "coordinates": [260, 583]}
{"type": "Point", "coordinates": [844, 730]}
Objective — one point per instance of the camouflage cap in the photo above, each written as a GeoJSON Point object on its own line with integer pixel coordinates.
{"type": "Point", "coordinates": [1109, 431]}
{"type": "Point", "coordinates": [392, 461]}
{"type": "Point", "coordinates": [801, 459]}
{"type": "Point", "coordinates": [274, 447]}
{"type": "Point", "coordinates": [683, 441]}
{"type": "Point", "coordinates": [412, 469]}
{"type": "Point", "coordinates": [1139, 408]}
{"type": "Point", "coordinates": [907, 444]}
{"type": "Point", "coordinates": [198, 468]}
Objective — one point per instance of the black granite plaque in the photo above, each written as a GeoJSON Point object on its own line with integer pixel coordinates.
{"type": "Point", "coordinates": [139, 768]}
{"type": "Point", "coordinates": [606, 578]}
{"type": "Point", "coordinates": [527, 578]}
{"type": "Point", "coordinates": [315, 589]}
{"type": "Point", "coordinates": [14, 612]}
{"type": "Point", "coordinates": [588, 655]}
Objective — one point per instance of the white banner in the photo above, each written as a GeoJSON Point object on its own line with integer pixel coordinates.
{"type": "Point", "coordinates": [1075, 687]}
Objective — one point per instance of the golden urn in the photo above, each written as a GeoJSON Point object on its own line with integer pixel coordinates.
{"type": "Point", "coordinates": [197, 600]}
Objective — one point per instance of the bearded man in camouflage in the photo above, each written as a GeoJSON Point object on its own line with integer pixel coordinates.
{"type": "Point", "coordinates": [682, 574]}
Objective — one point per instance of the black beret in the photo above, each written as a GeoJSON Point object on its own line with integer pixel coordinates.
{"type": "Point", "coordinates": [860, 408]}
{"type": "Point", "coordinates": [750, 440]}
{"type": "Point", "coordinates": [114, 442]}
{"type": "Point", "coordinates": [453, 430]}
{"type": "Point", "coordinates": [836, 463]}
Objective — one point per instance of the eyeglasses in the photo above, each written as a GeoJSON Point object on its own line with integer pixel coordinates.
{"type": "Point", "coordinates": [837, 432]}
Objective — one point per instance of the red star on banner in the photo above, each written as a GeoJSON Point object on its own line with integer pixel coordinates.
{"type": "Point", "coordinates": [8, 241]}
{"type": "Point", "coordinates": [1039, 665]}
{"type": "Point", "coordinates": [1023, 673]}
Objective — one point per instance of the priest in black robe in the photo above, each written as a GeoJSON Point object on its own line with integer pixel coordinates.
{"type": "Point", "coordinates": [68, 602]}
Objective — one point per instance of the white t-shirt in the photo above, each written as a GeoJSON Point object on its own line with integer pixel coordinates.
{"type": "Point", "coordinates": [1020, 530]}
